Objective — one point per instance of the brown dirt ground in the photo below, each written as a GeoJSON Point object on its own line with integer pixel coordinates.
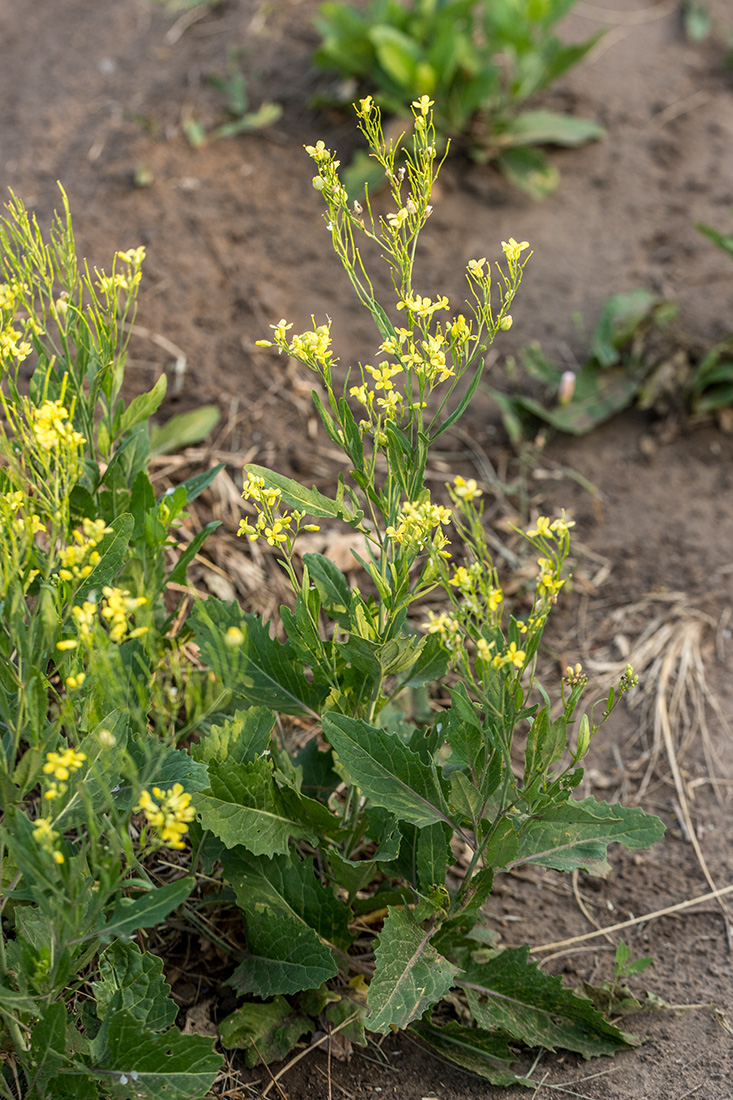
{"type": "Point", "coordinates": [91, 91]}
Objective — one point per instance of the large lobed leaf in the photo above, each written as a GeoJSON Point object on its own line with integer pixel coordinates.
{"type": "Point", "coordinates": [577, 835]}
{"type": "Point", "coordinates": [512, 994]}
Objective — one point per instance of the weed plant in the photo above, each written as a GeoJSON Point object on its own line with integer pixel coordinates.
{"type": "Point", "coordinates": [340, 857]}
{"type": "Point", "coordinates": [481, 60]}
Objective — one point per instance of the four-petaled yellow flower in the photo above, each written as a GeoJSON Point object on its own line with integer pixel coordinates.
{"type": "Point", "coordinates": [423, 104]}
{"type": "Point", "coordinates": [466, 489]}
{"type": "Point", "coordinates": [513, 249]}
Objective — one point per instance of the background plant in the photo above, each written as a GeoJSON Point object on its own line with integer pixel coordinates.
{"type": "Point", "coordinates": [95, 691]}
{"type": "Point", "coordinates": [356, 830]}
{"type": "Point", "coordinates": [481, 60]}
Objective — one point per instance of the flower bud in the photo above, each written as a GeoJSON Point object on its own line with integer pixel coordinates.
{"type": "Point", "coordinates": [567, 387]}
{"type": "Point", "coordinates": [506, 322]}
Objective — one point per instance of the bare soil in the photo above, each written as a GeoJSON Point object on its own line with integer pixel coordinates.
{"type": "Point", "coordinates": [92, 93]}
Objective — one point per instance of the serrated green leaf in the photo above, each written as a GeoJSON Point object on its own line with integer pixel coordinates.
{"type": "Point", "coordinates": [245, 807]}
{"type": "Point", "coordinates": [486, 1053]}
{"type": "Point", "coordinates": [288, 886]}
{"type": "Point", "coordinates": [268, 1031]}
{"type": "Point", "coordinates": [512, 994]}
{"type": "Point", "coordinates": [621, 316]}
{"type": "Point", "coordinates": [138, 978]}
{"type": "Point", "coordinates": [238, 739]}
{"type": "Point", "coordinates": [577, 835]}
{"type": "Point", "coordinates": [152, 908]}
{"type": "Point", "coordinates": [260, 670]}
{"type": "Point", "coordinates": [48, 1046]}
{"type": "Point", "coordinates": [283, 956]}
{"type": "Point", "coordinates": [130, 1060]}
{"type": "Point", "coordinates": [410, 975]}
{"type": "Point", "coordinates": [387, 771]}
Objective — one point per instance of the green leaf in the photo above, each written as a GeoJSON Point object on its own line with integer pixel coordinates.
{"type": "Point", "coordinates": [512, 994]}
{"type": "Point", "coordinates": [283, 956]}
{"type": "Point", "coordinates": [152, 908]}
{"type": "Point", "coordinates": [266, 1031]}
{"type": "Point", "coordinates": [296, 496]}
{"type": "Point", "coordinates": [577, 835]}
{"type": "Point", "coordinates": [245, 807]}
{"type": "Point", "coordinates": [112, 550]}
{"type": "Point", "coordinates": [48, 1046]}
{"type": "Point", "coordinates": [143, 406]}
{"type": "Point", "coordinates": [387, 771]}
{"type": "Point", "coordinates": [486, 1053]}
{"type": "Point", "coordinates": [177, 574]}
{"type": "Point", "coordinates": [138, 978]}
{"type": "Point", "coordinates": [195, 485]}
{"type": "Point", "coordinates": [332, 586]}
{"type": "Point", "coordinates": [545, 745]}
{"type": "Point", "coordinates": [620, 318]}
{"type": "Point", "coordinates": [288, 886]}
{"type": "Point", "coordinates": [184, 429]}
{"type": "Point", "coordinates": [260, 670]}
{"type": "Point", "coordinates": [131, 1060]}
{"type": "Point", "coordinates": [239, 739]}
{"type": "Point", "coordinates": [698, 21]}
{"type": "Point", "coordinates": [398, 54]}
{"type": "Point", "coordinates": [410, 975]}
{"type": "Point", "coordinates": [551, 128]}
{"type": "Point", "coordinates": [529, 170]}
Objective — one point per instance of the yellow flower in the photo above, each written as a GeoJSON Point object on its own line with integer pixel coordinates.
{"type": "Point", "coordinates": [60, 765]}
{"type": "Point", "coordinates": [483, 649]}
{"type": "Point", "coordinates": [476, 268]}
{"type": "Point", "coordinates": [513, 249]}
{"type": "Point", "coordinates": [169, 816]}
{"type": "Point", "coordinates": [50, 427]}
{"type": "Point", "coordinates": [542, 528]}
{"type": "Point", "coordinates": [423, 104]}
{"type": "Point", "coordinates": [562, 525]}
{"type": "Point", "coordinates": [466, 490]}
{"type": "Point", "coordinates": [234, 636]}
{"type": "Point", "coordinates": [46, 836]}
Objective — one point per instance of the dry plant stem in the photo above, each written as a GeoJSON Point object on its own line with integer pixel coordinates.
{"type": "Point", "coordinates": [688, 904]}
{"type": "Point", "coordinates": [302, 1054]}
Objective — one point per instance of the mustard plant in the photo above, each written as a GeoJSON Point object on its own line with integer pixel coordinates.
{"type": "Point", "coordinates": [356, 833]}
{"type": "Point", "coordinates": [91, 782]}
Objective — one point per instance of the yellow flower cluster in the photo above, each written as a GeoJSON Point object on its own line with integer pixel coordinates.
{"type": "Point", "coordinates": [511, 657]}
{"type": "Point", "coordinates": [117, 606]}
{"type": "Point", "coordinates": [127, 282]}
{"type": "Point", "coordinates": [464, 489]}
{"type": "Point", "coordinates": [78, 559]}
{"type": "Point", "coordinates": [29, 523]}
{"type": "Point", "coordinates": [513, 250]}
{"type": "Point", "coordinates": [12, 345]}
{"type": "Point", "coordinates": [549, 529]}
{"type": "Point", "coordinates": [51, 429]}
{"type": "Point", "coordinates": [276, 529]}
{"type": "Point", "coordinates": [47, 836]}
{"type": "Point", "coordinates": [422, 307]}
{"type": "Point", "coordinates": [170, 815]}
{"type": "Point", "coordinates": [548, 582]}
{"type": "Point", "coordinates": [446, 627]}
{"type": "Point", "coordinates": [60, 766]}
{"type": "Point", "coordinates": [477, 594]}
{"type": "Point", "coordinates": [416, 522]}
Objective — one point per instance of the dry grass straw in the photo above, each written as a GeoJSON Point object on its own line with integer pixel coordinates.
{"type": "Point", "coordinates": [674, 698]}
